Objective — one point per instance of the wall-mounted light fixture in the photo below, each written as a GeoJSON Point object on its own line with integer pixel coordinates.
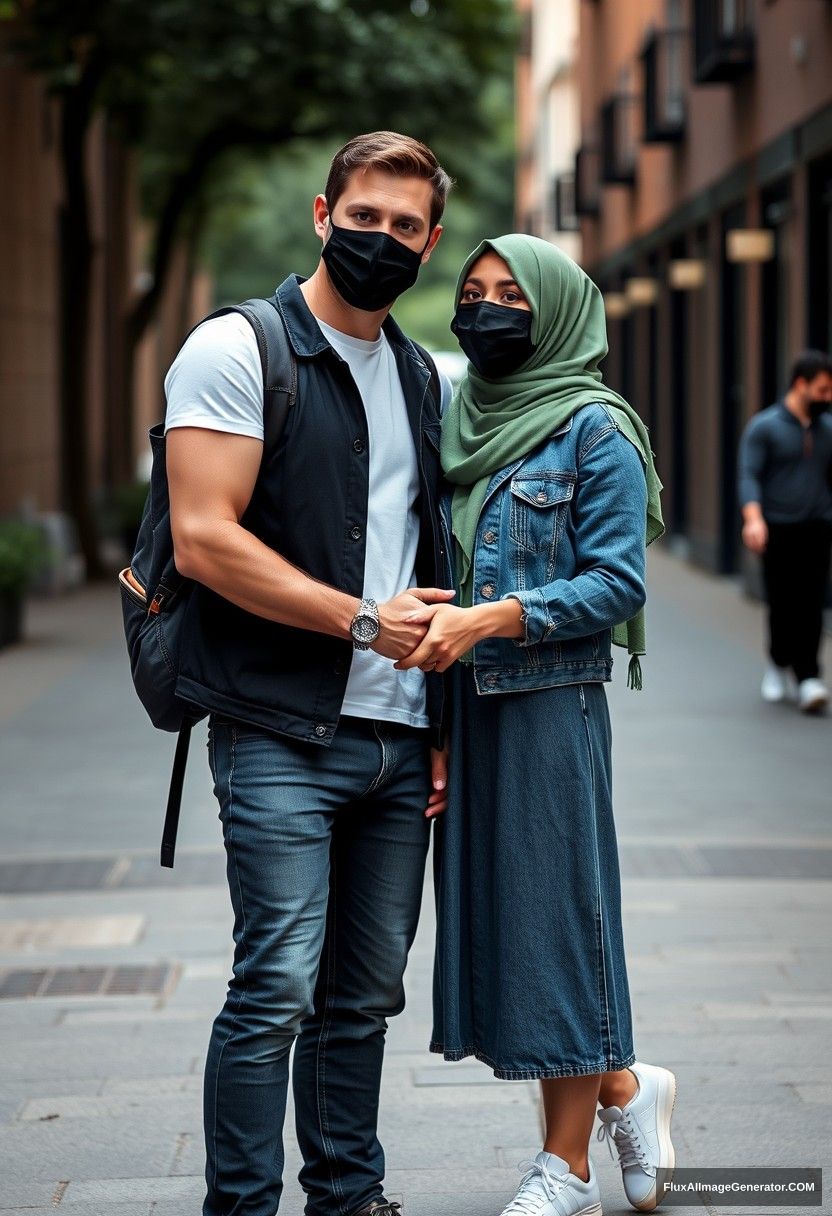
{"type": "Point", "coordinates": [616, 305]}
{"type": "Point", "coordinates": [686, 274]}
{"type": "Point", "coordinates": [749, 244]}
{"type": "Point", "coordinates": [642, 291]}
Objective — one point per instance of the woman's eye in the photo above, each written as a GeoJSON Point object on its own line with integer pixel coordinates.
{"type": "Point", "coordinates": [470, 295]}
{"type": "Point", "coordinates": [511, 297]}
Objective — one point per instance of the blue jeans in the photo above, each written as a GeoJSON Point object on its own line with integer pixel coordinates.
{"type": "Point", "coordinates": [326, 852]}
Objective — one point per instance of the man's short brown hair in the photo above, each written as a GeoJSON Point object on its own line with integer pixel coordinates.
{"type": "Point", "coordinates": [392, 153]}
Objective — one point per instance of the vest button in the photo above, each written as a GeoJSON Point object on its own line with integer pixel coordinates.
{"type": "Point", "coordinates": [320, 731]}
{"type": "Point", "coordinates": [358, 445]}
{"type": "Point", "coordinates": [487, 590]}
{"type": "Point", "coordinates": [355, 533]}
{"type": "Point", "coordinates": [490, 537]}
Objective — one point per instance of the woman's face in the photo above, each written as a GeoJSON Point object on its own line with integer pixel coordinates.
{"type": "Point", "coordinates": [489, 280]}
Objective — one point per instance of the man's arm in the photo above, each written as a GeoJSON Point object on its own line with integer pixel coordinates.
{"type": "Point", "coordinates": [211, 477]}
{"type": "Point", "coordinates": [752, 462]}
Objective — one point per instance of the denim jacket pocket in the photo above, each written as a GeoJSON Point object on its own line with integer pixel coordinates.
{"type": "Point", "coordinates": [539, 502]}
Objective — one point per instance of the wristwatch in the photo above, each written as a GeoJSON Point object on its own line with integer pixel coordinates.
{"type": "Point", "coordinates": [364, 626]}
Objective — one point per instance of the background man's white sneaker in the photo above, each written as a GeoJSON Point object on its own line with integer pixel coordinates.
{"type": "Point", "coordinates": [548, 1188]}
{"type": "Point", "coordinates": [641, 1133]}
{"type": "Point", "coordinates": [778, 684]}
{"type": "Point", "coordinates": [813, 695]}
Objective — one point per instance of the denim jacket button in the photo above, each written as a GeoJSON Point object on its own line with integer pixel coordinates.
{"type": "Point", "coordinates": [487, 590]}
{"type": "Point", "coordinates": [320, 731]}
{"type": "Point", "coordinates": [542, 496]}
{"type": "Point", "coordinates": [490, 537]}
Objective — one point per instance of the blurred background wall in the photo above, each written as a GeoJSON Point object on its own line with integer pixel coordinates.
{"type": "Point", "coordinates": [696, 118]}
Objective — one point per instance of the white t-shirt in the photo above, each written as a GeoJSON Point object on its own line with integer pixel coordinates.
{"type": "Point", "coordinates": [216, 382]}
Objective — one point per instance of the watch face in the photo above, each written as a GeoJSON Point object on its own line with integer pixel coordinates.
{"type": "Point", "coordinates": [365, 629]}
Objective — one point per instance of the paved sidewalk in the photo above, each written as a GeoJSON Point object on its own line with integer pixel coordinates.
{"type": "Point", "coordinates": [723, 811]}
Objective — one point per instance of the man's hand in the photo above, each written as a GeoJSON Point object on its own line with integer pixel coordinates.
{"type": "Point", "coordinates": [438, 801]}
{"type": "Point", "coordinates": [452, 631]}
{"type": "Point", "coordinates": [754, 529]}
{"type": "Point", "coordinates": [398, 636]}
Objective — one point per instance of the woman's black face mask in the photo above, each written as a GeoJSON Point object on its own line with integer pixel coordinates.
{"type": "Point", "coordinates": [497, 339]}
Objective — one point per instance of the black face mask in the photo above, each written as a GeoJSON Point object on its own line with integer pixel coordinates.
{"type": "Point", "coordinates": [496, 338]}
{"type": "Point", "coordinates": [369, 270]}
{"type": "Point", "coordinates": [817, 408]}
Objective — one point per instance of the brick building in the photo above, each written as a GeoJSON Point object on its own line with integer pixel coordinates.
{"type": "Point", "coordinates": [704, 189]}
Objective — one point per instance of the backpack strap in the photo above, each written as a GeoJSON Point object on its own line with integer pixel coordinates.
{"type": "Point", "coordinates": [277, 360]}
{"type": "Point", "coordinates": [280, 384]}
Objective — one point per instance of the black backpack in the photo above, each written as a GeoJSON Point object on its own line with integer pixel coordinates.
{"type": "Point", "coordinates": [154, 595]}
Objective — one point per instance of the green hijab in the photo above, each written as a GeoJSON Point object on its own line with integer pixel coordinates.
{"type": "Point", "coordinates": [491, 423]}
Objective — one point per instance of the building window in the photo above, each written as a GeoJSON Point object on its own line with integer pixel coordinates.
{"type": "Point", "coordinates": [618, 140]}
{"type": "Point", "coordinates": [587, 180]}
{"type": "Point", "coordinates": [724, 39]}
{"type": "Point", "coordinates": [664, 60]}
{"type": "Point", "coordinates": [564, 211]}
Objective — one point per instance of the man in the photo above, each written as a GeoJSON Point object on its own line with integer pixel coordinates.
{"type": "Point", "coordinates": [785, 485]}
{"type": "Point", "coordinates": [307, 569]}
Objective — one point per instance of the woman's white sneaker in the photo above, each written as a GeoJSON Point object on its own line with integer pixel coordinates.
{"type": "Point", "coordinates": [549, 1189]}
{"type": "Point", "coordinates": [641, 1133]}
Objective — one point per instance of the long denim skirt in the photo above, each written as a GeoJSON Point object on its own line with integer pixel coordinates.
{"type": "Point", "coordinates": [530, 975]}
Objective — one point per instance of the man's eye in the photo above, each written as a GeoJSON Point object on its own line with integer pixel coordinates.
{"type": "Point", "coordinates": [363, 216]}
{"type": "Point", "coordinates": [406, 226]}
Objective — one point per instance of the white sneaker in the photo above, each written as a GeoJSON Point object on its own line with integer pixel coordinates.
{"type": "Point", "coordinates": [641, 1133]}
{"type": "Point", "coordinates": [549, 1189]}
{"type": "Point", "coordinates": [778, 684]}
{"type": "Point", "coordinates": [812, 695]}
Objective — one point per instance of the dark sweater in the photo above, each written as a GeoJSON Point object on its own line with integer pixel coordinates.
{"type": "Point", "coordinates": [787, 467]}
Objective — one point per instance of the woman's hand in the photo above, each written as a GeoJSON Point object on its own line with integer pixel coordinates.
{"type": "Point", "coordinates": [438, 800]}
{"type": "Point", "coordinates": [453, 631]}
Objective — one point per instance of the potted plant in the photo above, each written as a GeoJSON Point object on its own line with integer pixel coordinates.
{"type": "Point", "coordinates": [22, 552]}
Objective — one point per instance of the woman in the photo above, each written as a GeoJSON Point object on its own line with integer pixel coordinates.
{"type": "Point", "coordinates": [554, 496]}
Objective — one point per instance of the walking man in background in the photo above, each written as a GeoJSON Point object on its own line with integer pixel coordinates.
{"type": "Point", "coordinates": [307, 566]}
{"type": "Point", "coordinates": [785, 486]}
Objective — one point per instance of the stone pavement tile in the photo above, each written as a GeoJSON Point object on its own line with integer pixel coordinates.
{"type": "Point", "coordinates": [186, 1107]}
{"type": "Point", "coordinates": [414, 1137]}
{"type": "Point", "coordinates": [107, 1209]}
{"type": "Point", "coordinates": [815, 1093]}
{"type": "Point", "coordinates": [102, 1191]}
{"type": "Point", "coordinates": [25, 1192]}
{"type": "Point", "coordinates": [89, 1148]}
{"type": "Point", "coordinates": [183, 1083]}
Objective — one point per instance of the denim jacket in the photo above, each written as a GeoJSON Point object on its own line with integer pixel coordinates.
{"type": "Point", "coordinates": [563, 531]}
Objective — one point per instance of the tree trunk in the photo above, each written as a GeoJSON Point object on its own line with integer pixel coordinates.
{"type": "Point", "coordinates": [75, 299]}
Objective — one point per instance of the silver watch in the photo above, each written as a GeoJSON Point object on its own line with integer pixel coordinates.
{"type": "Point", "coordinates": [365, 626]}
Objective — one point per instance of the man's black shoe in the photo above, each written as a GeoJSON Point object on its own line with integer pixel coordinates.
{"type": "Point", "coordinates": [380, 1207]}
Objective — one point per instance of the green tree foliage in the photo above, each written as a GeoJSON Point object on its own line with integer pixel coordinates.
{"type": "Point", "coordinates": [192, 82]}
{"type": "Point", "coordinates": [260, 226]}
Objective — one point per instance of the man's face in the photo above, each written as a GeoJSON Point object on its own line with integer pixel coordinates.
{"type": "Point", "coordinates": [375, 201]}
{"type": "Point", "coordinates": [819, 388]}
